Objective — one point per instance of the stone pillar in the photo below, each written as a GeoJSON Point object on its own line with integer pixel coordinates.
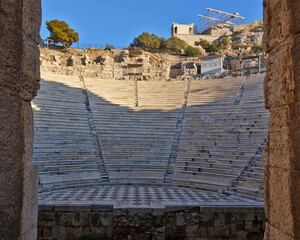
{"type": "Point", "coordinates": [282, 94]}
{"type": "Point", "coordinates": [19, 81]}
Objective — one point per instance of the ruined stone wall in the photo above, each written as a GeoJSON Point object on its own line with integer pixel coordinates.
{"type": "Point", "coordinates": [191, 39]}
{"type": "Point", "coordinates": [282, 98]}
{"type": "Point", "coordinates": [248, 27]}
{"type": "Point", "coordinates": [219, 31]}
{"type": "Point", "coordinates": [104, 66]}
{"type": "Point", "coordinates": [19, 81]}
{"type": "Point", "coordinates": [155, 222]}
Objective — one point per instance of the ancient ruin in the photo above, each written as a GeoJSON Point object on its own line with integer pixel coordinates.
{"type": "Point", "coordinates": [164, 167]}
{"type": "Point", "coordinates": [217, 24]}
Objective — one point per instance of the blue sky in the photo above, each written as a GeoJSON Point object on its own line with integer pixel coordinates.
{"type": "Point", "coordinates": [118, 22]}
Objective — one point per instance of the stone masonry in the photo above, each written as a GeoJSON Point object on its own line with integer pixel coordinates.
{"type": "Point", "coordinates": [156, 222]}
{"type": "Point", "coordinates": [282, 94]}
{"type": "Point", "coordinates": [19, 80]}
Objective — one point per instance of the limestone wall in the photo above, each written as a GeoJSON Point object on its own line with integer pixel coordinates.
{"type": "Point", "coordinates": [191, 39]}
{"type": "Point", "coordinates": [248, 27]}
{"type": "Point", "coordinates": [154, 222]}
{"type": "Point", "coordinates": [281, 157]}
{"type": "Point", "coordinates": [105, 66]}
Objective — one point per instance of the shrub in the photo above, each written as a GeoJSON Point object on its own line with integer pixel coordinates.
{"type": "Point", "coordinates": [174, 44]}
{"type": "Point", "coordinates": [110, 46]}
{"type": "Point", "coordinates": [257, 48]}
{"type": "Point", "coordinates": [208, 47]}
{"type": "Point", "coordinates": [191, 51]}
{"type": "Point", "coordinates": [223, 43]}
{"type": "Point", "coordinates": [148, 42]}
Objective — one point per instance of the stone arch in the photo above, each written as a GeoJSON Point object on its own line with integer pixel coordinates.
{"type": "Point", "coordinates": [19, 77]}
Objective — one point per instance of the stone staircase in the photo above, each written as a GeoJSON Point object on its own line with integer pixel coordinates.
{"type": "Point", "coordinates": [176, 139]}
{"type": "Point", "coordinates": [94, 135]}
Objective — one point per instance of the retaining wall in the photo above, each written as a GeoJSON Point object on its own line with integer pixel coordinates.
{"type": "Point", "coordinates": [158, 221]}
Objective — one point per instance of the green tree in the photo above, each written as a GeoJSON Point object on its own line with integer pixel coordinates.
{"type": "Point", "coordinates": [208, 47]}
{"type": "Point", "coordinates": [191, 51]}
{"type": "Point", "coordinates": [60, 32]}
{"type": "Point", "coordinates": [257, 48]}
{"type": "Point", "coordinates": [223, 43]}
{"type": "Point", "coordinates": [174, 44]}
{"type": "Point", "coordinates": [147, 42]}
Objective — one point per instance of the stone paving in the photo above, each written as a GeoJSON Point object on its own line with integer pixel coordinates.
{"type": "Point", "coordinates": [140, 196]}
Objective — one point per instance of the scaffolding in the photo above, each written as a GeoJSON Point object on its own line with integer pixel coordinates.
{"type": "Point", "coordinates": [215, 18]}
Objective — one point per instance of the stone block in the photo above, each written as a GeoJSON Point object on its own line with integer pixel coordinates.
{"type": "Point", "coordinates": [48, 215]}
{"type": "Point", "coordinates": [74, 232]}
{"type": "Point", "coordinates": [180, 219]}
{"type": "Point", "coordinates": [45, 207]}
{"type": "Point", "coordinates": [49, 223]}
{"type": "Point", "coordinates": [65, 219]}
{"type": "Point", "coordinates": [80, 219]}
{"type": "Point", "coordinates": [219, 220]}
{"type": "Point", "coordinates": [220, 232]}
{"type": "Point", "coordinates": [58, 232]}
{"type": "Point", "coordinates": [12, 173]}
{"type": "Point", "coordinates": [97, 231]}
{"type": "Point", "coordinates": [241, 235]}
{"type": "Point", "coordinates": [273, 233]}
{"type": "Point", "coordinates": [280, 21]}
{"type": "Point", "coordinates": [94, 220]}
{"type": "Point", "coordinates": [192, 231]}
{"type": "Point", "coordinates": [279, 85]}
{"type": "Point", "coordinates": [102, 208]}
{"type": "Point", "coordinates": [47, 232]}
{"type": "Point", "coordinates": [106, 219]}
{"type": "Point", "coordinates": [278, 199]}
{"type": "Point", "coordinates": [72, 207]}
{"type": "Point", "coordinates": [31, 19]}
{"type": "Point", "coordinates": [41, 220]}
{"type": "Point", "coordinates": [248, 225]}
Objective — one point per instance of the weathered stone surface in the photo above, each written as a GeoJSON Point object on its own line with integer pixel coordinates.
{"type": "Point", "coordinates": [281, 41]}
{"type": "Point", "coordinates": [279, 83]}
{"type": "Point", "coordinates": [273, 233]}
{"type": "Point", "coordinates": [19, 76]}
{"type": "Point", "coordinates": [175, 222]}
{"type": "Point", "coordinates": [282, 16]}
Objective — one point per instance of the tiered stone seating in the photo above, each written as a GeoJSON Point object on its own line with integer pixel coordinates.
{"type": "Point", "coordinates": [218, 141]}
{"type": "Point", "coordinates": [136, 123]}
{"type": "Point", "coordinates": [253, 92]}
{"type": "Point", "coordinates": [214, 91]}
{"type": "Point", "coordinates": [160, 95]}
{"type": "Point", "coordinates": [253, 178]}
{"type": "Point", "coordinates": [63, 148]}
{"type": "Point", "coordinates": [135, 141]}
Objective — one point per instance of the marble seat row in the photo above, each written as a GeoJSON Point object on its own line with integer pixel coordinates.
{"type": "Point", "coordinates": [221, 141]}
{"type": "Point", "coordinates": [63, 148]}
{"type": "Point", "coordinates": [136, 140]}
